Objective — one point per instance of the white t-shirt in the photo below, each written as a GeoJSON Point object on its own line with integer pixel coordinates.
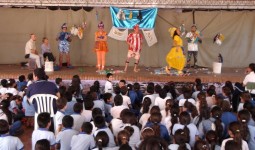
{"type": "Point", "coordinates": [176, 146]}
{"type": "Point", "coordinates": [108, 88]}
{"type": "Point", "coordinates": [161, 103]}
{"type": "Point", "coordinates": [249, 78]}
{"type": "Point", "coordinates": [144, 119]}
{"type": "Point", "coordinates": [193, 132]}
{"type": "Point", "coordinates": [77, 121]}
{"type": "Point", "coordinates": [3, 90]}
{"type": "Point", "coordinates": [126, 100]}
{"type": "Point", "coordinates": [117, 126]}
{"type": "Point", "coordinates": [42, 134]}
{"type": "Point", "coordinates": [87, 114]}
{"type": "Point", "coordinates": [116, 110]}
{"type": "Point", "coordinates": [240, 106]}
{"type": "Point", "coordinates": [182, 101]}
{"type": "Point", "coordinates": [209, 101]}
{"type": "Point", "coordinates": [244, 144]}
{"type": "Point", "coordinates": [8, 142]}
{"type": "Point", "coordinates": [3, 115]}
{"type": "Point", "coordinates": [13, 91]}
{"type": "Point", "coordinates": [192, 45]}
{"type": "Point", "coordinates": [13, 105]}
{"type": "Point", "coordinates": [135, 137]}
{"type": "Point", "coordinates": [82, 141]}
{"type": "Point", "coordinates": [29, 46]}
{"type": "Point", "coordinates": [58, 119]}
{"type": "Point", "coordinates": [110, 135]}
{"type": "Point", "coordinates": [64, 138]}
{"type": "Point", "coordinates": [152, 97]}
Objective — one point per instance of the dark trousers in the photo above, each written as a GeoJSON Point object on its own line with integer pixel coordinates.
{"type": "Point", "coordinates": [49, 56]}
{"type": "Point", "coordinates": [194, 53]}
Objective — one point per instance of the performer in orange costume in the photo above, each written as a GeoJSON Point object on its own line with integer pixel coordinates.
{"type": "Point", "coordinates": [101, 46]}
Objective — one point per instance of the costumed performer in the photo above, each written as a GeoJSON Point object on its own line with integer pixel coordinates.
{"type": "Point", "coordinates": [134, 41]}
{"type": "Point", "coordinates": [64, 39]}
{"type": "Point", "coordinates": [101, 47]}
{"type": "Point", "coordinates": [175, 58]}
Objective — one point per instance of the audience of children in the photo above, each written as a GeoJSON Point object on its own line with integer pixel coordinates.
{"type": "Point", "coordinates": [123, 117]}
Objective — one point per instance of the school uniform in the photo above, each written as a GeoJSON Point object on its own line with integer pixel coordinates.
{"type": "Point", "coordinates": [29, 108]}
{"type": "Point", "coordinates": [69, 107]}
{"type": "Point", "coordinates": [135, 137]}
{"type": "Point", "coordinates": [108, 88]}
{"type": "Point", "coordinates": [161, 103]}
{"type": "Point", "coordinates": [78, 120]}
{"type": "Point", "coordinates": [163, 131]}
{"type": "Point", "coordinates": [8, 142]}
{"type": "Point", "coordinates": [82, 141]}
{"type": "Point", "coordinates": [99, 104]}
{"type": "Point", "coordinates": [110, 135]}
{"type": "Point", "coordinates": [193, 132]}
{"type": "Point", "coordinates": [144, 119]}
{"type": "Point", "coordinates": [64, 138]}
{"type": "Point", "coordinates": [117, 125]}
{"type": "Point", "coordinates": [152, 97]}
{"type": "Point", "coordinates": [176, 146]}
{"type": "Point", "coordinates": [244, 144]}
{"type": "Point", "coordinates": [116, 110]}
{"type": "Point", "coordinates": [58, 119]}
{"type": "Point", "coordinates": [182, 102]}
{"type": "Point", "coordinates": [42, 133]}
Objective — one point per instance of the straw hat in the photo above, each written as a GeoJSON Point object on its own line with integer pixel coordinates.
{"type": "Point", "coordinates": [171, 31]}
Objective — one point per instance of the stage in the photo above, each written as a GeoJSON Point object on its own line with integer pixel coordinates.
{"type": "Point", "coordinates": [144, 75]}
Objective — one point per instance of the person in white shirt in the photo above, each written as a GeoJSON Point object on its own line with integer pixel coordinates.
{"type": "Point", "coordinates": [98, 103]}
{"type": "Point", "coordinates": [126, 99]}
{"type": "Point", "coordinates": [145, 111]}
{"type": "Point", "coordinates": [8, 142]}
{"type": "Point", "coordinates": [189, 128]}
{"type": "Point", "coordinates": [100, 124]}
{"type": "Point", "coordinates": [44, 122]}
{"type": "Point", "coordinates": [150, 94]}
{"type": "Point", "coordinates": [108, 87]}
{"type": "Point", "coordinates": [4, 86]}
{"type": "Point", "coordinates": [161, 100]}
{"type": "Point", "coordinates": [118, 107]}
{"type": "Point", "coordinates": [87, 110]}
{"type": "Point", "coordinates": [61, 106]}
{"type": "Point", "coordinates": [179, 138]}
{"type": "Point", "coordinates": [193, 38]}
{"type": "Point", "coordinates": [102, 141]}
{"type": "Point", "coordinates": [31, 52]}
{"type": "Point", "coordinates": [212, 140]}
{"type": "Point", "coordinates": [77, 117]}
{"type": "Point", "coordinates": [84, 140]}
{"type": "Point", "coordinates": [250, 77]}
{"type": "Point", "coordinates": [235, 133]}
{"type": "Point", "coordinates": [63, 139]}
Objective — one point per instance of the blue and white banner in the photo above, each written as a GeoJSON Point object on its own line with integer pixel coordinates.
{"type": "Point", "coordinates": [127, 18]}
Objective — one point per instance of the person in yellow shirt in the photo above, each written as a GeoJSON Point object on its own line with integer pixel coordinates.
{"type": "Point", "coordinates": [175, 58]}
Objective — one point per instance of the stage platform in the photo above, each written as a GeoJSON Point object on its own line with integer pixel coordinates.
{"type": "Point", "coordinates": [144, 75]}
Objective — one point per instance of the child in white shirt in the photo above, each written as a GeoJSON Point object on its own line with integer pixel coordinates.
{"type": "Point", "coordinates": [118, 107]}
{"type": "Point", "coordinates": [44, 122]}
{"type": "Point", "coordinates": [8, 142]}
{"type": "Point", "coordinates": [84, 140]}
{"type": "Point", "coordinates": [126, 99]}
{"type": "Point", "coordinates": [108, 88]}
{"type": "Point", "coordinates": [61, 106]}
{"type": "Point", "coordinates": [77, 117]}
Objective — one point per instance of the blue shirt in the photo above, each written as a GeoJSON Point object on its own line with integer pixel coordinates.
{"type": "Point", "coordinates": [21, 84]}
{"type": "Point", "coordinates": [42, 87]}
{"type": "Point", "coordinates": [69, 108]}
{"type": "Point", "coordinates": [227, 118]}
{"type": "Point", "coordinates": [163, 130]}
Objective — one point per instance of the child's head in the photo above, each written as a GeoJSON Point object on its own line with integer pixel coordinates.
{"type": "Point", "coordinates": [147, 132]}
{"type": "Point", "coordinates": [43, 120]}
{"type": "Point", "coordinates": [22, 78]}
{"type": "Point", "coordinates": [123, 90]}
{"type": "Point", "coordinates": [61, 103]}
{"type": "Point", "coordinates": [212, 138]}
{"type": "Point", "coordinates": [180, 138]}
{"type": "Point", "coordinates": [117, 90]}
{"type": "Point", "coordinates": [245, 97]}
{"type": "Point", "coordinates": [150, 88]}
{"type": "Point", "coordinates": [102, 139]}
{"type": "Point", "coordinates": [162, 93]}
{"type": "Point", "coordinates": [200, 145]}
{"type": "Point", "coordinates": [12, 83]}
{"type": "Point", "coordinates": [67, 121]}
{"type": "Point", "coordinates": [155, 119]}
{"type": "Point", "coordinates": [232, 145]}
{"type": "Point", "coordinates": [185, 120]}
{"type": "Point", "coordinates": [96, 112]}
{"type": "Point", "coordinates": [88, 104]}
{"type": "Point", "coordinates": [109, 76]}
{"type": "Point", "coordinates": [99, 121]}
{"type": "Point", "coordinates": [30, 76]}
{"type": "Point", "coordinates": [235, 131]}
{"type": "Point", "coordinates": [146, 105]}
{"type": "Point", "coordinates": [123, 137]}
{"type": "Point", "coordinates": [77, 108]}
{"type": "Point", "coordinates": [210, 92]}
{"type": "Point", "coordinates": [42, 144]}
{"type": "Point", "coordinates": [4, 127]}
{"type": "Point", "coordinates": [122, 83]}
{"type": "Point", "coordinates": [87, 127]}
{"type": "Point", "coordinates": [198, 81]}
{"type": "Point", "coordinates": [118, 100]}
{"type": "Point", "coordinates": [107, 98]}
{"type": "Point", "coordinates": [125, 147]}
{"type": "Point", "coordinates": [58, 81]}
{"type": "Point", "coordinates": [4, 83]}
{"type": "Point", "coordinates": [62, 91]}
{"type": "Point", "coordinates": [157, 88]}
{"type": "Point", "coordinates": [18, 99]}
{"type": "Point", "coordinates": [154, 142]}
{"type": "Point", "coordinates": [129, 118]}
{"type": "Point", "coordinates": [136, 86]}
{"type": "Point", "coordinates": [154, 109]}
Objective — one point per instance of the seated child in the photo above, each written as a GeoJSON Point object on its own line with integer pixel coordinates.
{"type": "Point", "coordinates": [7, 141]}
{"type": "Point", "coordinates": [100, 124]}
{"type": "Point", "coordinates": [42, 144]}
{"type": "Point", "coordinates": [102, 141]}
{"type": "Point", "coordinates": [61, 106]}
{"type": "Point", "coordinates": [77, 117]}
{"type": "Point", "coordinates": [108, 105]}
{"type": "Point", "coordinates": [16, 108]}
{"type": "Point", "coordinates": [64, 137]}
{"type": "Point", "coordinates": [118, 107]}
{"type": "Point", "coordinates": [44, 122]}
{"type": "Point", "coordinates": [29, 111]}
{"type": "Point", "coordinates": [87, 110]}
{"type": "Point", "coordinates": [22, 82]}
{"type": "Point", "coordinates": [84, 140]}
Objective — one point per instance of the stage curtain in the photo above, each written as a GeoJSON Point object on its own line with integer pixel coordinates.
{"type": "Point", "coordinates": [238, 49]}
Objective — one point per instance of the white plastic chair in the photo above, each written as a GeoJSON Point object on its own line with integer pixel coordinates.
{"type": "Point", "coordinates": [44, 104]}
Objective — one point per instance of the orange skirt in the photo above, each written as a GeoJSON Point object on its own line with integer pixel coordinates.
{"type": "Point", "coordinates": [101, 46]}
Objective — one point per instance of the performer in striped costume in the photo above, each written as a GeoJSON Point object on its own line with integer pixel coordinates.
{"type": "Point", "coordinates": [134, 41]}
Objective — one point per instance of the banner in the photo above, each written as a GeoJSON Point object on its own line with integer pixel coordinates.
{"type": "Point", "coordinates": [127, 18]}
{"type": "Point", "coordinates": [150, 37]}
{"type": "Point", "coordinates": [117, 34]}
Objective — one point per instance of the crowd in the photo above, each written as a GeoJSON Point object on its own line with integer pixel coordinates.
{"type": "Point", "coordinates": [123, 117]}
